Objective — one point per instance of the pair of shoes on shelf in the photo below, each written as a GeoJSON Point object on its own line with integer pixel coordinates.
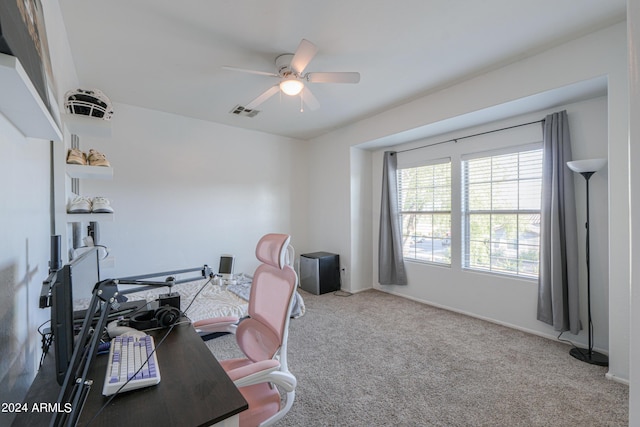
{"type": "Point", "coordinates": [82, 204]}
{"type": "Point", "coordinates": [94, 158]}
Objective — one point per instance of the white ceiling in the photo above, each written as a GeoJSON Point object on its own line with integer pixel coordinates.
{"type": "Point", "coordinates": [168, 55]}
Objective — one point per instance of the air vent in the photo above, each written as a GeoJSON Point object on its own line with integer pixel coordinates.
{"type": "Point", "coordinates": [239, 110]}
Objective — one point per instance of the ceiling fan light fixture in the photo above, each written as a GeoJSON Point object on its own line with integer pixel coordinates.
{"type": "Point", "coordinates": [292, 76]}
{"type": "Point", "coordinates": [291, 87]}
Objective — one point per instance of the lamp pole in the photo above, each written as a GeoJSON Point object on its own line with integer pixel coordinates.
{"type": "Point", "coordinates": [590, 356]}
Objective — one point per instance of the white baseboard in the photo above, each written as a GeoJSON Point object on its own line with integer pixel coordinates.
{"type": "Point", "coordinates": [615, 378]}
{"type": "Point", "coordinates": [488, 319]}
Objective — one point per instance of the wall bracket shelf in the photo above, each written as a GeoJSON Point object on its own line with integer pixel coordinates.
{"type": "Point", "coordinates": [90, 217]}
{"type": "Point", "coordinates": [89, 172]}
{"type": "Point", "coordinates": [21, 104]}
{"type": "Point", "coordinates": [86, 125]}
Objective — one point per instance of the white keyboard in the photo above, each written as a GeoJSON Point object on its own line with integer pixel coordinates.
{"type": "Point", "coordinates": [126, 355]}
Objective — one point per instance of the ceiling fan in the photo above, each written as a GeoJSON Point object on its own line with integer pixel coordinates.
{"type": "Point", "coordinates": [290, 71]}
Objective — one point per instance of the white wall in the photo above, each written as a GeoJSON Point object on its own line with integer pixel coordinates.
{"type": "Point", "coordinates": [328, 214]}
{"type": "Point", "coordinates": [186, 191]}
{"type": "Point", "coordinates": [330, 203]}
{"type": "Point", "coordinates": [25, 231]}
{"type": "Point", "coordinates": [633, 18]}
{"type": "Point", "coordinates": [598, 54]}
{"type": "Point", "coordinates": [499, 298]}
{"type": "Point", "coordinates": [24, 256]}
{"type": "Point", "coordinates": [361, 219]}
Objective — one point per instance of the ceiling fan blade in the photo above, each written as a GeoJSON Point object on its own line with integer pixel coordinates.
{"type": "Point", "coordinates": [244, 70]}
{"type": "Point", "coordinates": [263, 97]}
{"type": "Point", "coordinates": [309, 99]}
{"type": "Point", "coordinates": [333, 77]}
{"type": "Point", "coordinates": [304, 54]}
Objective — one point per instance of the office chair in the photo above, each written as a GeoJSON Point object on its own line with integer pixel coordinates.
{"type": "Point", "coordinates": [262, 336]}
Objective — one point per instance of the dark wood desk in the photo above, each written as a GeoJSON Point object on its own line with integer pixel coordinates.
{"type": "Point", "coordinates": [194, 389]}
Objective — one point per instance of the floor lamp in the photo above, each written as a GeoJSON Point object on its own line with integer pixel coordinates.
{"type": "Point", "coordinates": [586, 168]}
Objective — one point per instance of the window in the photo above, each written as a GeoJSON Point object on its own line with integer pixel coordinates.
{"type": "Point", "coordinates": [425, 212]}
{"type": "Point", "coordinates": [501, 212]}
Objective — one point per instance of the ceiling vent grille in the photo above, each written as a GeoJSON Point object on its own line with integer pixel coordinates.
{"type": "Point", "coordinates": [239, 110]}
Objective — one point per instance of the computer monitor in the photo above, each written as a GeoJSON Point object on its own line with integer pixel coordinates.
{"type": "Point", "coordinates": [225, 268]}
{"type": "Point", "coordinates": [79, 277]}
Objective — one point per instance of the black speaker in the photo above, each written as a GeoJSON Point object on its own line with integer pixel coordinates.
{"type": "Point", "coordinates": [163, 317]}
{"type": "Point", "coordinates": [320, 272]}
{"type": "Point", "coordinates": [172, 299]}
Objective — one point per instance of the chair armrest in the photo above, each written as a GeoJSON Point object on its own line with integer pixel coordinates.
{"type": "Point", "coordinates": [217, 324]}
{"type": "Point", "coordinates": [253, 373]}
{"type": "Point", "coordinates": [284, 379]}
{"type": "Point", "coordinates": [263, 371]}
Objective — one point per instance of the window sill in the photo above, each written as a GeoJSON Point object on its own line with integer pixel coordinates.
{"type": "Point", "coordinates": [424, 262]}
{"type": "Point", "coordinates": [525, 279]}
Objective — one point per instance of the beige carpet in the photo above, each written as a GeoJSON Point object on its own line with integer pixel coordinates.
{"type": "Point", "coordinates": [374, 359]}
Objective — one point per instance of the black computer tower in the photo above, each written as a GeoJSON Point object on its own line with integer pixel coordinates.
{"type": "Point", "coordinates": [320, 272]}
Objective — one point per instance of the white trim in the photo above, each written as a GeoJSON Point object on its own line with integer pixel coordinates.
{"type": "Point", "coordinates": [487, 319]}
{"type": "Point", "coordinates": [616, 378]}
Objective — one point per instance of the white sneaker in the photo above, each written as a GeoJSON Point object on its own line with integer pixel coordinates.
{"type": "Point", "coordinates": [80, 204]}
{"type": "Point", "coordinates": [101, 205]}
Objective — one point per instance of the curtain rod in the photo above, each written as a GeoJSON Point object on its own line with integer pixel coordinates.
{"type": "Point", "coordinates": [470, 136]}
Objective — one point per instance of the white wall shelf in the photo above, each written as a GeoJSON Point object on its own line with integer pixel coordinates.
{"type": "Point", "coordinates": [86, 125]}
{"type": "Point", "coordinates": [21, 104]}
{"type": "Point", "coordinates": [89, 172]}
{"type": "Point", "coordinates": [90, 217]}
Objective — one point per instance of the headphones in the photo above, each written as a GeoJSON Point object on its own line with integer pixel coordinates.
{"type": "Point", "coordinates": [163, 317]}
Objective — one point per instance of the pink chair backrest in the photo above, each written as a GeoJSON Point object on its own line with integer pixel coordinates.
{"type": "Point", "coordinates": [274, 282]}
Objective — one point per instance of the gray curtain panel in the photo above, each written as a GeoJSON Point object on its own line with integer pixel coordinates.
{"type": "Point", "coordinates": [558, 278]}
{"type": "Point", "coordinates": [390, 262]}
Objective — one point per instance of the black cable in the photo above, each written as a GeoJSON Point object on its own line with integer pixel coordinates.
{"type": "Point", "coordinates": [156, 346]}
{"type": "Point", "coordinates": [195, 296]}
{"type": "Point", "coordinates": [154, 350]}
{"type": "Point", "coordinates": [342, 294]}
{"type": "Point", "coordinates": [141, 308]}
{"type": "Point", "coordinates": [183, 312]}
{"type": "Point", "coordinates": [128, 315]}
{"type": "Point", "coordinates": [46, 340]}
{"type": "Point", "coordinates": [567, 341]}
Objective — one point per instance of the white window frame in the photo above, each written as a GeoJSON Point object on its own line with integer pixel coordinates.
{"type": "Point", "coordinates": [522, 264]}
{"type": "Point", "coordinates": [433, 238]}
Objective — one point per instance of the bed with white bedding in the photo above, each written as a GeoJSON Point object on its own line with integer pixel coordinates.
{"type": "Point", "coordinates": [202, 299]}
